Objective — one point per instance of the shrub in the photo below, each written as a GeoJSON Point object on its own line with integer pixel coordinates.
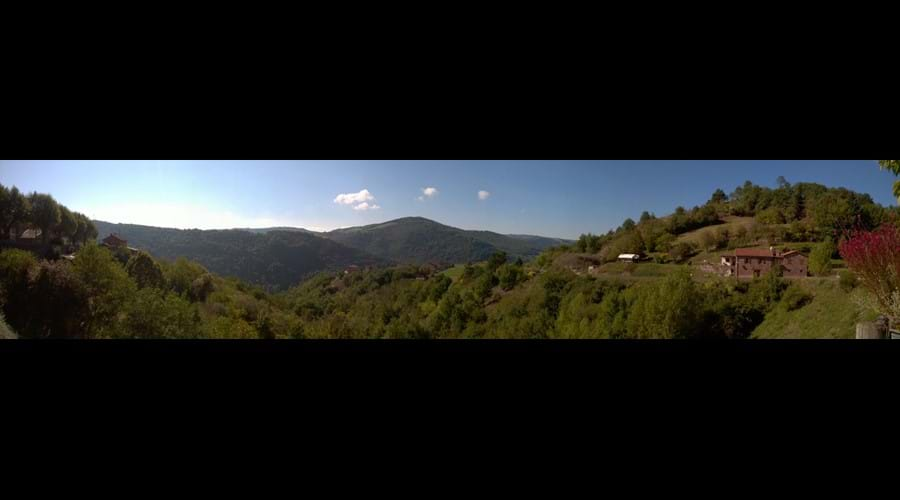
{"type": "Point", "coordinates": [847, 280]}
{"type": "Point", "coordinates": [154, 314]}
{"type": "Point", "coordinates": [666, 309]}
{"type": "Point", "coordinates": [201, 288]}
{"type": "Point", "coordinates": [107, 284]}
{"type": "Point", "coordinates": [681, 252]}
{"type": "Point", "coordinates": [820, 259]}
{"type": "Point", "coordinates": [510, 276]}
{"type": "Point", "coordinates": [182, 273]}
{"type": "Point", "coordinates": [770, 216]}
{"type": "Point", "coordinates": [795, 297]}
{"type": "Point", "coordinates": [439, 287]}
{"type": "Point", "coordinates": [15, 266]}
{"type": "Point", "coordinates": [875, 258]}
{"type": "Point", "coordinates": [145, 271]}
{"type": "Point", "coordinates": [57, 302]}
{"type": "Point", "coordinates": [665, 241]}
{"type": "Point", "coordinates": [229, 328]}
{"type": "Point", "coordinates": [496, 260]}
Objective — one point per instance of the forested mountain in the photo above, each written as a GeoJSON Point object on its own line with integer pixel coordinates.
{"type": "Point", "coordinates": [276, 259]}
{"type": "Point", "coordinates": [418, 240]}
{"type": "Point", "coordinates": [281, 257]}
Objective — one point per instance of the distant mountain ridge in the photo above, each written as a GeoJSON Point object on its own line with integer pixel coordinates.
{"type": "Point", "coordinates": [264, 230]}
{"type": "Point", "coordinates": [277, 259]}
{"type": "Point", "coordinates": [421, 240]}
{"type": "Point", "coordinates": [282, 256]}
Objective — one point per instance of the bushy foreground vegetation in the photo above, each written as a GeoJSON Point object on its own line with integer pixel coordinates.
{"type": "Point", "coordinates": [96, 296]}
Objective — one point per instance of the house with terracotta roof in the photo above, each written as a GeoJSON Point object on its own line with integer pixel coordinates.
{"type": "Point", "coordinates": [755, 262]}
{"type": "Point", "coordinates": [113, 241]}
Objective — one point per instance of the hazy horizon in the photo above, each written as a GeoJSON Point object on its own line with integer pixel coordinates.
{"type": "Point", "coordinates": [560, 199]}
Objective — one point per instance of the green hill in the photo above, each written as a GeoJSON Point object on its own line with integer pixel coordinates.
{"type": "Point", "coordinates": [277, 259]}
{"type": "Point", "coordinates": [419, 240]}
{"type": "Point", "coordinates": [832, 314]}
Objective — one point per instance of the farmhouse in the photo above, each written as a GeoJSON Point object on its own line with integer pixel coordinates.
{"type": "Point", "coordinates": [113, 241]}
{"type": "Point", "coordinates": [754, 262]}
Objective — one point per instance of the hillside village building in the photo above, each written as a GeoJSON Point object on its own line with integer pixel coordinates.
{"type": "Point", "coordinates": [629, 257]}
{"type": "Point", "coordinates": [755, 262]}
{"type": "Point", "coordinates": [113, 241]}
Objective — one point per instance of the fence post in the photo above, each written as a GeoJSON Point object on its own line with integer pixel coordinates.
{"type": "Point", "coordinates": [877, 329]}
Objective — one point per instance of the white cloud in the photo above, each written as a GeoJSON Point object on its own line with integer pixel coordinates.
{"type": "Point", "coordinates": [366, 206]}
{"type": "Point", "coordinates": [429, 192]}
{"type": "Point", "coordinates": [353, 198]}
{"type": "Point", "coordinates": [360, 200]}
{"type": "Point", "coordinates": [483, 195]}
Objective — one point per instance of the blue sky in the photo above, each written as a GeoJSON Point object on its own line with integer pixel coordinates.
{"type": "Point", "coordinates": [550, 198]}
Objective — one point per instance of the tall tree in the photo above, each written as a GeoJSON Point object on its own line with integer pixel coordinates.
{"type": "Point", "coordinates": [90, 232]}
{"type": "Point", "coordinates": [44, 213]}
{"type": "Point", "coordinates": [145, 271]}
{"type": "Point", "coordinates": [718, 196]}
{"type": "Point", "coordinates": [820, 259]}
{"type": "Point", "coordinates": [892, 166]}
{"type": "Point", "coordinates": [80, 227]}
{"type": "Point", "coordinates": [14, 209]}
{"type": "Point", "coordinates": [68, 224]}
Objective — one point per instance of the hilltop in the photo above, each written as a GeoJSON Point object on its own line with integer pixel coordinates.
{"type": "Point", "coordinates": [283, 256]}
{"type": "Point", "coordinates": [418, 240]}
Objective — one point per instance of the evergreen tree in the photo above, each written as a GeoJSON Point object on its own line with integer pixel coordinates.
{"type": "Point", "coordinates": [145, 271]}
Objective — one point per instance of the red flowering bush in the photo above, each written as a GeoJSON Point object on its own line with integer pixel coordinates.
{"type": "Point", "coordinates": [875, 257]}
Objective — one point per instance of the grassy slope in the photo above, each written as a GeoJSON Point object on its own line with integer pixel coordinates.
{"type": "Point", "coordinates": [730, 222]}
{"type": "Point", "coordinates": [454, 272]}
{"type": "Point", "coordinates": [832, 314]}
{"type": "Point", "coordinates": [642, 270]}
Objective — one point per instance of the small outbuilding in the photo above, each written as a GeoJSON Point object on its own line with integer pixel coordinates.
{"type": "Point", "coordinates": [629, 257]}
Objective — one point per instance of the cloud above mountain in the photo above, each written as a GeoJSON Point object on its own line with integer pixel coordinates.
{"type": "Point", "coordinates": [359, 201]}
{"type": "Point", "coordinates": [429, 192]}
{"type": "Point", "coordinates": [365, 206]}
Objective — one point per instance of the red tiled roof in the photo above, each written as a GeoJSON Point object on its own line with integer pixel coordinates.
{"type": "Point", "coordinates": [753, 252]}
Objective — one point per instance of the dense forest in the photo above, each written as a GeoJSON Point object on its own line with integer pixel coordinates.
{"type": "Point", "coordinates": [101, 293]}
{"type": "Point", "coordinates": [279, 257]}
{"type": "Point", "coordinates": [60, 228]}
{"type": "Point", "coordinates": [275, 259]}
